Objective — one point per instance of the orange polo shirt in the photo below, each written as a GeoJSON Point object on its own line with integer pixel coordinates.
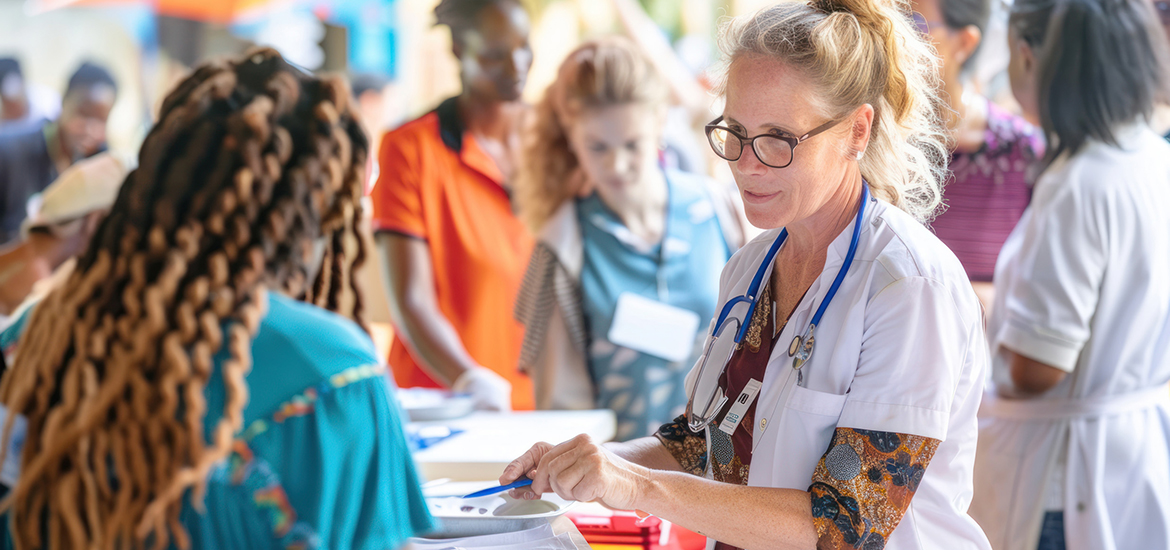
{"type": "Point", "coordinates": [436, 184]}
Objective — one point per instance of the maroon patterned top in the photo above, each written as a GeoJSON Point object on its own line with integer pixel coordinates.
{"type": "Point", "coordinates": [989, 192]}
{"type": "Point", "coordinates": [732, 455]}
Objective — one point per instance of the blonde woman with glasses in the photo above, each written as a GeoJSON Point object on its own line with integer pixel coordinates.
{"type": "Point", "coordinates": [834, 405]}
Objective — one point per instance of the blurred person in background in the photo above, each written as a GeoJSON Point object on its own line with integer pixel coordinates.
{"type": "Point", "coordinates": [213, 404]}
{"type": "Point", "coordinates": [993, 148]}
{"type": "Point", "coordinates": [370, 102]}
{"type": "Point", "coordinates": [617, 235]}
{"type": "Point", "coordinates": [1074, 440]}
{"type": "Point", "coordinates": [454, 252]}
{"type": "Point", "coordinates": [21, 102]}
{"type": "Point", "coordinates": [69, 213]}
{"type": "Point", "coordinates": [31, 159]}
{"type": "Point", "coordinates": [690, 101]}
{"type": "Point", "coordinates": [369, 91]}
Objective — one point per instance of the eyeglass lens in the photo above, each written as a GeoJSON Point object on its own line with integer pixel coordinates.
{"type": "Point", "coordinates": [770, 150]}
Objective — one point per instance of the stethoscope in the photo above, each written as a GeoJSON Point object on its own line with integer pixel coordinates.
{"type": "Point", "coordinates": [802, 346]}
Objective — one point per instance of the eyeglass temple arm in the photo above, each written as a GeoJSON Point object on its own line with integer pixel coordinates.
{"type": "Point", "coordinates": [819, 129]}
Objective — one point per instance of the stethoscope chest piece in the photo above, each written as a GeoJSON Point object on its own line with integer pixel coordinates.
{"type": "Point", "coordinates": [801, 348]}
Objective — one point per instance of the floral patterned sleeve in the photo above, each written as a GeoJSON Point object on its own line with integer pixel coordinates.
{"type": "Point", "coordinates": [687, 447]}
{"type": "Point", "coordinates": [863, 485]}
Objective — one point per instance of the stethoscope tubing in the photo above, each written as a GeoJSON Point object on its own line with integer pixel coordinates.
{"type": "Point", "coordinates": [802, 346]}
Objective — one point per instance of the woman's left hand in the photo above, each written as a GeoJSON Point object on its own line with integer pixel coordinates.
{"type": "Point", "coordinates": [582, 470]}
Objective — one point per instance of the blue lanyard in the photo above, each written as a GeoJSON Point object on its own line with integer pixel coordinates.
{"type": "Point", "coordinates": [802, 346]}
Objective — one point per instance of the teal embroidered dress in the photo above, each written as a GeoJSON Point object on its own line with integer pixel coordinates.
{"type": "Point", "coordinates": [322, 461]}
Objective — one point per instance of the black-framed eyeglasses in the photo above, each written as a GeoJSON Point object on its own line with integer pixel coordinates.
{"type": "Point", "coordinates": [772, 150]}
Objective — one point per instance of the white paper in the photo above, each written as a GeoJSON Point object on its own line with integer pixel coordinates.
{"type": "Point", "coordinates": [653, 327]}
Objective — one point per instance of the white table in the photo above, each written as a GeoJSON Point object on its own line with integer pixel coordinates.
{"type": "Point", "coordinates": [491, 440]}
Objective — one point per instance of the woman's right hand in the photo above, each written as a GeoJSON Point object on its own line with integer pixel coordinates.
{"type": "Point", "coordinates": [582, 470]}
{"type": "Point", "coordinates": [524, 466]}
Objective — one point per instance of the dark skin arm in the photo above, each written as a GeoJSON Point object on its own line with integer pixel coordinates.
{"type": "Point", "coordinates": [409, 279]}
{"type": "Point", "coordinates": [1032, 377]}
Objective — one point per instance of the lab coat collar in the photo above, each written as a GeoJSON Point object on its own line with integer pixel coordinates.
{"type": "Point", "coordinates": [839, 248]}
{"type": "Point", "coordinates": [562, 234]}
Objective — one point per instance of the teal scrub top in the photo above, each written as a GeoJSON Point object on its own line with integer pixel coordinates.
{"type": "Point", "coordinates": [322, 461]}
{"type": "Point", "coordinates": [643, 390]}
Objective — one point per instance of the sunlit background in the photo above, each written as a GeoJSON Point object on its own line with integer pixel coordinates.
{"type": "Point", "coordinates": [149, 45]}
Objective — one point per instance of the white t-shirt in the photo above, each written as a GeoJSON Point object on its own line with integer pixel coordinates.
{"type": "Point", "coordinates": [900, 349]}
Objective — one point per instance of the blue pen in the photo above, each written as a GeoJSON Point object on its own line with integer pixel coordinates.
{"type": "Point", "coordinates": [522, 482]}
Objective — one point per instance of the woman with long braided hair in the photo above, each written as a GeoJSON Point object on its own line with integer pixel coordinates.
{"type": "Point", "coordinates": [187, 387]}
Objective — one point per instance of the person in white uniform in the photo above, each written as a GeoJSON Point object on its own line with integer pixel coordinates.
{"type": "Point", "coordinates": [835, 403]}
{"type": "Point", "coordinates": [1074, 441]}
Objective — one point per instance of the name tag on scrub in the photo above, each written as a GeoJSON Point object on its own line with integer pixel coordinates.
{"type": "Point", "coordinates": [654, 328]}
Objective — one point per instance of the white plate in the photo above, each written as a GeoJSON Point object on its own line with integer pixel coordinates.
{"type": "Point", "coordinates": [498, 513]}
{"type": "Point", "coordinates": [424, 404]}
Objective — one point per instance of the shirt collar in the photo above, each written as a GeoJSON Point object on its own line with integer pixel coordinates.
{"type": "Point", "coordinates": [450, 125]}
{"type": "Point", "coordinates": [453, 133]}
{"type": "Point", "coordinates": [57, 155]}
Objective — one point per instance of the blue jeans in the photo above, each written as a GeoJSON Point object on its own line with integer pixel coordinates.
{"type": "Point", "coordinates": [1052, 531]}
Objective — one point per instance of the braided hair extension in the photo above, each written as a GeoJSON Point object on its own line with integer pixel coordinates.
{"type": "Point", "coordinates": [253, 168]}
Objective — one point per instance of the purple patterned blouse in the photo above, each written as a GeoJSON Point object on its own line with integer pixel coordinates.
{"type": "Point", "coordinates": [989, 192]}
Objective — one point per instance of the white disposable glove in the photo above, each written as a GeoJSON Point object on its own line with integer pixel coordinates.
{"type": "Point", "coordinates": [490, 391]}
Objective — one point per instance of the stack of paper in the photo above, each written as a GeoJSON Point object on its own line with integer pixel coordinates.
{"type": "Point", "coordinates": [538, 538]}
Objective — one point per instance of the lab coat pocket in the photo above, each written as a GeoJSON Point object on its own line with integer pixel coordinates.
{"type": "Point", "coordinates": [816, 402]}
{"type": "Point", "coordinates": [809, 420]}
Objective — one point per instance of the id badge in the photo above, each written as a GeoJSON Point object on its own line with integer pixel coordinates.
{"type": "Point", "coordinates": [745, 399]}
{"type": "Point", "coordinates": [654, 328]}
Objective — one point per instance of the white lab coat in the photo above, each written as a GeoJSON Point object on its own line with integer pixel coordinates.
{"type": "Point", "coordinates": [900, 349]}
{"type": "Point", "coordinates": [1083, 284]}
